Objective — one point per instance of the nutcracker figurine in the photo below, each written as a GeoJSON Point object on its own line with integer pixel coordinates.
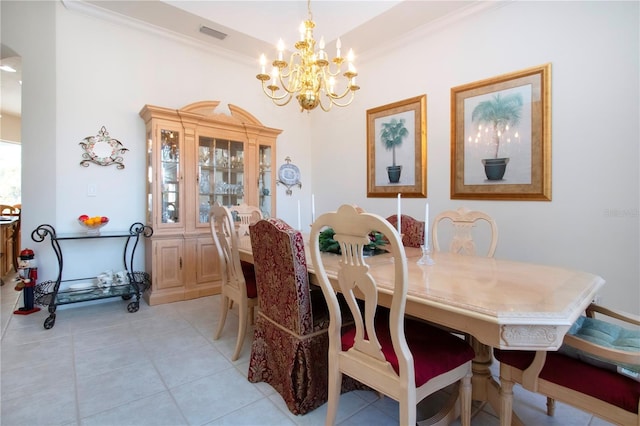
{"type": "Point", "coordinates": [27, 277]}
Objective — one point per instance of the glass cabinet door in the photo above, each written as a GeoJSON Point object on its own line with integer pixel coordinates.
{"type": "Point", "coordinates": [264, 180]}
{"type": "Point", "coordinates": [170, 176]}
{"type": "Point", "coordinates": [220, 174]}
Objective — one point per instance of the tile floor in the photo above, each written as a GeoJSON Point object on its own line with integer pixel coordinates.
{"type": "Point", "coordinates": [100, 365]}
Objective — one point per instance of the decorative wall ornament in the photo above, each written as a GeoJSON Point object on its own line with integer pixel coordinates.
{"type": "Point", "coordinates": [289, 175]}
{"type": "Point", "coordinates": [102, 150]}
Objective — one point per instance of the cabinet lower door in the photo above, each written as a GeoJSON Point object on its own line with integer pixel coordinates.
{"type": "Point", "coordinates": [203, 269]}
{"type": "Point", "coordinates": [167, 272]}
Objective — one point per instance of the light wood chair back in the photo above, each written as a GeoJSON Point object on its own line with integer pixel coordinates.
{"type": "Point", "coordinates": [248, 215]}
{"type": "Point", "coordinates": [7, 210]}
{"type": "Point", "coordinates": [588, 386]}
{"type": "Point", "coordinates": [463, 222]}
{"type": "Point", "coordinates": [238, 278]}
{"type": "Point", "coordinates": [15, 234]}
{"type": "Point", "coordinates": [383, 349]}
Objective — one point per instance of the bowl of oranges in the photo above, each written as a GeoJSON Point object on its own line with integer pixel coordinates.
{"type": "Point", "coordinates": [92, 223]}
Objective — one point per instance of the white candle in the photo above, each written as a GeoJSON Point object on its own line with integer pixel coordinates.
{"type": "Point", "coordinates": [299, 221]}
{"type": "Point", "coordinates": [313, 208]}
{"type": "Point", "coordinates": [399, 216]}
{"type": "Point", "coordinates": [426, 225]}
{"type": "Point", "coordinates": [263, 63]}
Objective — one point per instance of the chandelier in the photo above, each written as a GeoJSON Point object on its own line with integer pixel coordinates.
{"type": "Point", "coordinates": [309, 75]}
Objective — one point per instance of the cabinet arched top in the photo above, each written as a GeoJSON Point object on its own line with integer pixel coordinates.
{"type": "Point", "coordinates": [204, 112]}
{"type": "Point", "coordinates": [207, 108]}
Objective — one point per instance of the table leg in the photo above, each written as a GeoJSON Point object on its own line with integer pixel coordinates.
{"type": "Point", "coordinates": [484, 387]}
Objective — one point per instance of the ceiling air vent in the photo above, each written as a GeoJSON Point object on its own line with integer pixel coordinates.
{"type": "Point", "coordinates": [213, 33]}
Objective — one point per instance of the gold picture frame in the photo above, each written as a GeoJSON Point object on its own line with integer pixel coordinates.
{"type": "Point", "coordinates": [501, 137]}
{"type": "Point", "coordinates": [397, 149]}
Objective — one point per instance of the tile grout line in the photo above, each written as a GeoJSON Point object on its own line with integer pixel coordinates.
{"type": "Point", "coordinates": [15, 304]}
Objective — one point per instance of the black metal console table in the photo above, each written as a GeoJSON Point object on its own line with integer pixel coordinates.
{"type": "Point", "coordinates": [48, 293]}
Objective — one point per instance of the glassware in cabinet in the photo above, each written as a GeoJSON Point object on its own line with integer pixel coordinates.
{"type": "Point", "coordinates": [170, 176]}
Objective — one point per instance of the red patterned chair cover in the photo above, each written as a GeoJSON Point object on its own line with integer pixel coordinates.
{"type": "Point", "coordinates": [412, 230]}
{"type": "Point", "coordinates": [290, 343]}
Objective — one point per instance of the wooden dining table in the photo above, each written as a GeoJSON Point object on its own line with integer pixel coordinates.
{"type": "Point", "coordinates": [500, 303]}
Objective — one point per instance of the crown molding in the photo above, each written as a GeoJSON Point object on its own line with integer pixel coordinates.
{"type": "Point", "coordinates": [112, 11]}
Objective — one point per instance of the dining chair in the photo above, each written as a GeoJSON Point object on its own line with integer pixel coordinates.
{"type": "Point", "coordinates": [393, 354]}
{"type": "Point", "coordinates": [247, 215]}
{"type": "Point", "coordinates": [17, 235]}
{"type": "Point", "coordinates": [9, 211]}
{"type": "Point", "coordinates": [597, 369]}
{"type": "Point", "coordinates": [238, 278]}
{"type": "Point", "coordinates": [460, 231]}
{"type": "Point", "coordinates": [290, 341]}
{"type": "Point", "coordinates": [412, 229]}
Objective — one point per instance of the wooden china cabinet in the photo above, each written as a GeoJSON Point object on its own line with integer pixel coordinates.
{"type": "Point", "coordinates": [196, 157]}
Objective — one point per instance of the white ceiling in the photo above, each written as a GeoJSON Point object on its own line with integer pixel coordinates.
{"type": "Point", "coordinates": [254, 27]}
{"type": "Point", "coordinates": [270, 20]}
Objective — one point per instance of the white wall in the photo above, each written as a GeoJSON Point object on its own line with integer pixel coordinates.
{"type": "Point", "coordinates": [28, 28]}
{"type": "Point", "coordinates": [82, 72]}
{"type": "Point", "coordinates": [101, 71]}
{"type": "Point", "coordinates": [591, 223]}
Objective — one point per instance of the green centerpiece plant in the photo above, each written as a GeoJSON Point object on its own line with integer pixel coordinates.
{"type": "Point", "coordinates": [328, 244]}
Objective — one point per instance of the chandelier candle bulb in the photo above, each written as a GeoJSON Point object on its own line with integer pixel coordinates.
{"type": "Point", "coordinates": [338, 46]}
{"type": "Point", "coordinates": [322, 53]}
{"type": "Point", "coordinates": [313, 208]}
{"type": "Point", "coordinates": [263, 63]}
{"type": "Point", "coordinates": [280, 49]}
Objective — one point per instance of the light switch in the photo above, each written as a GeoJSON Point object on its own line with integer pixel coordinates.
{"type": "Point", "coordinates": [92, 190]}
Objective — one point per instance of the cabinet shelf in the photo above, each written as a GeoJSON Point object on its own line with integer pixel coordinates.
{"type": "Point", "coordinates": [45, 294]}
{"type": "Point", "coordinates": [223, 169]}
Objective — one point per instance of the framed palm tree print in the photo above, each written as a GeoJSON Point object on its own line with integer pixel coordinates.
{"type": "Point", "coordinates": [501, 137]}
{"type": "Point", "coordinates": [397, 149]}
